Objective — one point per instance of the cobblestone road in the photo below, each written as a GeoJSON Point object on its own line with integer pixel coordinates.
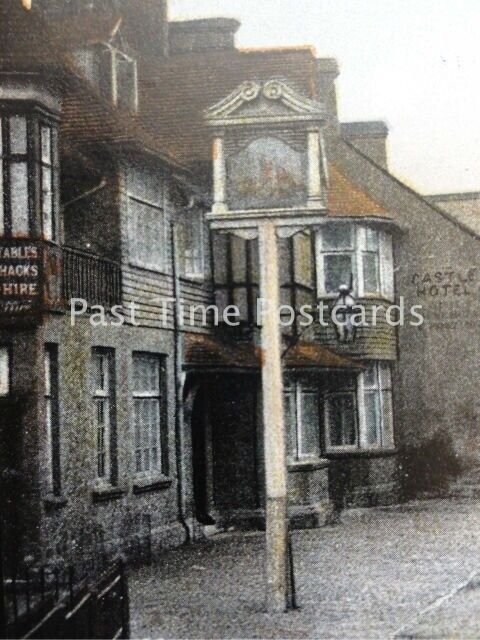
{"type": "Point", "coordinates": [370, 577]}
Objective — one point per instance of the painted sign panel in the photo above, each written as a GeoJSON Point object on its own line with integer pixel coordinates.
{"type": "Point", "coordinates": [267, 173]}
{"type": "Point", "coordinates": [20, 277]}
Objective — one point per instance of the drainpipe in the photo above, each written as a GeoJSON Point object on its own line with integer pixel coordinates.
{"type": "Point", "coordinates": [87, 194]}
{"type": "Point", "coordinates": [179, 384]}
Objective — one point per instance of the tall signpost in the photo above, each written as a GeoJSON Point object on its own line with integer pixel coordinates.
{"type": "Point", "coordinates": [268, 177]}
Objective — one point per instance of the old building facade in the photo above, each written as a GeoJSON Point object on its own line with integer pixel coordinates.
{"type": "Point", "coordinates": [131, 429]}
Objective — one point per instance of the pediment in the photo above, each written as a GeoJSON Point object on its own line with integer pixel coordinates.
{"type": "Point", "coordinates": [271, 102]}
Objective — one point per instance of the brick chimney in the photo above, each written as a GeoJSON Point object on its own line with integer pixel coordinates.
{"type": "Point", "coordinates": [368, 137]}
{"type": "Point", "coordinates": [200, 35]}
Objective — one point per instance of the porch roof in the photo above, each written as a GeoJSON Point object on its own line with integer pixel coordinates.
{"type": "Point", "coordinates": [207, 352]}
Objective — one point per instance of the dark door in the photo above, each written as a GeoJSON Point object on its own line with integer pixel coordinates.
{"type": "Point", "coordinates": [200, 459]}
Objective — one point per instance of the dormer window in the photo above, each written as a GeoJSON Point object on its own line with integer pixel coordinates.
{"type": "Point", "coordinates": [113, 72]}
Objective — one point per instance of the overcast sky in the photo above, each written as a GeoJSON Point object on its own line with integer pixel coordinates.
{"type": "Point", "coordinates": [412, 63]}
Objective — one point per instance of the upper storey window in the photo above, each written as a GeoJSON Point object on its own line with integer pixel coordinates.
{"type": "Point", "coordinates": [28, 176]}
{"type": "Point", "coordinates": [148, 226]}
{"type": "Point", "coordinates": [113, 72]}
{"type": "Point", "coordinates": [357, 256]}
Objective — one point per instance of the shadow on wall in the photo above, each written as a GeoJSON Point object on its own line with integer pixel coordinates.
{"type": "Point", "coordinates": [430, 467]}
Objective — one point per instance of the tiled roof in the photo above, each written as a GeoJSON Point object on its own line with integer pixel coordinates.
{"type": "Point", "coordinates": [345, 198]}
{"type": "Point", "coordinates": [175, 93]}
{"type": "Point", "coordinates": [208, 352]}
{"type": "Point", "coordinates": [23, 41]}
{"type": "Point", "coordinates": [29, 43]}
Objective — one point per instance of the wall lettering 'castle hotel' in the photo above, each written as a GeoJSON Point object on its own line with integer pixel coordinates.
{"type": "Point", "coordinates": [134, 437]}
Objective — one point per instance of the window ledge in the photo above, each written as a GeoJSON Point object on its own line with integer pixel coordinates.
{"type": "Point", "coordinates": [296, 466]}
{"type": "Point", "coordinates": [107, 493]}
{"type": "Point", "coordinates": [196, 279]}
{"type": "Point", "coordinates": [361, 453]}
{"type": "Point", "coordinates": [154, 483]}
{"type": "Point", "coordinates": [52, 502]}
{"type": "Point", "coordinates": [158, 269]}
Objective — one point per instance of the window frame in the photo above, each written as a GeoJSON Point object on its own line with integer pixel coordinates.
{"type": "Point", "coordinates": [297, 389]}
{"type": "Point", "coordinates": [160, 394]}
{"type": "Point", "coordinates": [35, 119]}
{"type": "Point", "coordinates": [353, 394]}
{"type": "Point", "coordinates": [107, 395]}
{"type": "Point", "coordinates": [357, 252]}
{"type": "Point", "coordinates": [386, 432]}
{"type": "Point", "coordinates": [52, 416]}
{"type": "Point", "coordinates": [198, 246]}
{"type": "Point", "coordinates": [6, 383]}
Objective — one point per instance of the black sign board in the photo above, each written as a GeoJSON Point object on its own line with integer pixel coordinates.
{"type": "Point", "coordinates": [20, 277]}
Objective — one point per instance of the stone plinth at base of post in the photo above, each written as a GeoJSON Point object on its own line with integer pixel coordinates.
{"type": "Point", "coordinates": [277, 554]}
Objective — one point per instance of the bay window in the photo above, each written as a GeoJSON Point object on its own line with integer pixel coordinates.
{"type": "Point", "coordinates": [359, 413]}
{"type": "Point", "coordinates": [355, 255]}
{"type": "Point", "coordinates": [302, 420]}
{"type": "Point", "coordinates": [28, 176]}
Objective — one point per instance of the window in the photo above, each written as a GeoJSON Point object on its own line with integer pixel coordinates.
{"type": "Point", "coordinates": [27, 140]}
{"type": "Point", "coordinates": [341, 412]}
{"type": "Point", "coordinates": [112, 71]}
{"type": "Point", "coordinates": [302, 420]}
{"type": "Point", "coordinates": [149, 415]}
{"type": "Point", "coordinates": [52, 416]}
{"type": "Point", "coordinates": [360, 416]}
{"type": "Point", "coordinates": [125, 93]}
{"type": "Point", "coordinates": [148, 231]}
{"type": "Point", "coordinates": [103, 387]}
{"type": "Point", "coordinates": [4, 371]}
{"type": "Point", "coordinates": [338, 257]}
{"type": "Point", "coordinates": [357, 256]}
{"type": "Point", "coordinates": [236, 268]}
{"type": "Point", "coordinates": [192, 245]}
{"type": "Point", "coordinates": [376, 412]}
{"type": "Point", "coordinates": [47, 170]}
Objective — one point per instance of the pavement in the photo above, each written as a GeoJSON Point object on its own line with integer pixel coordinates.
{"type": "Point", "coordinates": [411, 571]}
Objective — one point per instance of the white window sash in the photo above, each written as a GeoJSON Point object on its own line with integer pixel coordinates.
{"type": "Point", "coordinates": [146, 440]}
{"type": "Point", "coordinates": [194, 255]}
{"type": "Point", "coordinates": [384, 263]}
{"type": "Point", "coordinates": [381, 387]}
{"type": "Point", "coordinates": [301, 392]}
{"type": "Point", "coordinates": [4, 371]}
{"type": "Point", "coordinates": [137, 257]}
{"type": "Point", "coordinates": [386, 266]}
{"type": "Point", "coordinates": [328, 423]}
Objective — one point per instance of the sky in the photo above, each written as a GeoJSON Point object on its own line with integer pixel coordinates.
{"type": "Point", "coordinates": [414, 64]}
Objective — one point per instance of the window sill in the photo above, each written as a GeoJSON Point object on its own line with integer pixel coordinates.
{"type": "Point", "coordinates": [361, 453]}
{"type": "Point", "coordinates": [153, 483]}
{"type": "Point", "coordinates": [160, 270]}
{"type": "Point", "coordinates": [297, 466]}
{"type": "Point", "coordinates": [107, 493]}
{"type": "Point", "coordinates": [52, 502]}
{"type": "Point", "coordinates": [197, 279]}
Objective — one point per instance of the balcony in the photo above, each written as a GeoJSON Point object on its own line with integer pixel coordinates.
{"type": "Point", "coordinates": [38, 276]}
{"type": "Point", "coordinates": [96, 280]}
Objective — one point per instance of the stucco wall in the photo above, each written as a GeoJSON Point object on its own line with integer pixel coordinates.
{"type": "Point", "coordinates": [436, 385]}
